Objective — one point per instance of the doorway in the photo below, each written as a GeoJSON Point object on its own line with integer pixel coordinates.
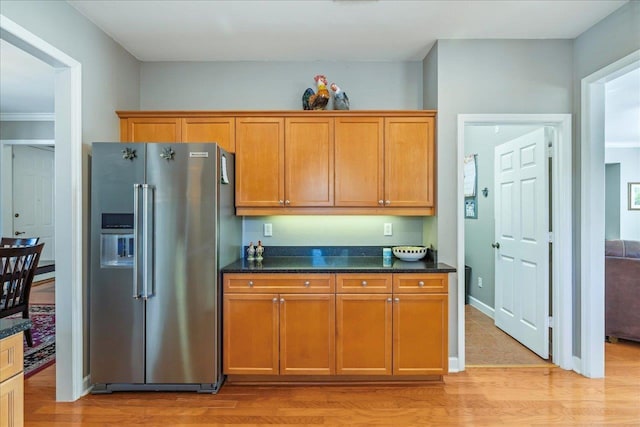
{"type": "Point", "coordinates": [505, 320]}
{"type": "Point", "coordinates": [561, 218]}
{"type": "Point", "coordinates": [68, 206]}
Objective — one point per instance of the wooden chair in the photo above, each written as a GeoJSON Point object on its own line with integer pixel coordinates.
{"type": "Point", "coordinates": [18, 267]}
{"type": "Point", "coordinates": [17, 241]}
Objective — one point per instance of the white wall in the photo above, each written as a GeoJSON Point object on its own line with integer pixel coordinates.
{"type": "Point", "coordinates": [110, 82]}
{"type": "Point", "coordinates": [629, 159]}
{"type": "Point", "coordinates": [276, 85]}
{"type": "Point", "coordinates": [482, 77]}
{"type": "Point", "coordinates": [6, 179]}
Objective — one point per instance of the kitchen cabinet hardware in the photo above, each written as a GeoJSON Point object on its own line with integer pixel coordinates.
{"type": "Point", "coordinates": [307, 283]}
{"type": "Point", "coordinates": [387, 202]}
{"type": "Point", "coordinates": [381, 202]}
{"type": "Point", "coordinates": [421, 283]}
{"type": "Point", "coordinates": [389, 299]}
{"type": "Point", "coordinates": [250, 283]}
{"type": "Point", "coordinates": [281, 202]}
{"type": "Point", "coordinates": [287, 202]}
{"type": "Point", "coordinates": [396, 299]}
{"type": "Point", "coordinates": [281, 300]}
{"type": "Point", "coordinates": [364, 283]}
{"type": "Point", "coordinates": [275, 300]}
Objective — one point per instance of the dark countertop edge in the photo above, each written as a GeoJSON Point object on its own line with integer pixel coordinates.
{"type": "Point", "coordinates": [10, 327]}
{"type": "Point", "coordinates": [243, 266]}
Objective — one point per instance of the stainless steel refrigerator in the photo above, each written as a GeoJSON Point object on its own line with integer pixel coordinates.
{"type": "Point", "coordinates": [162, 225]}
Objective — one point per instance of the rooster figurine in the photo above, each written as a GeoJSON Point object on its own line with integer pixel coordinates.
{"type": "Point", "coordinates": [319, 99]}
{"type": "Point", "coordinates": [340, 98]}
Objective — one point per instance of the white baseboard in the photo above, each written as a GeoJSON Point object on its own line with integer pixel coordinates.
{"type": "Point", "coordinates": [484, 308]}
{"type": "Point", "coordinates": [86, 385]}
{"type": "Point", "coordinates": [454, 366]}
{"type": "Point", "coordinates": [577, 364]}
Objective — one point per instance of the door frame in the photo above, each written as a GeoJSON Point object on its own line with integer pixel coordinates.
{"type": "Point", "coordinates": [70, 384]}
{"type": "Point", "coordinates": [562, 260]}
{"type": "Point", "coordinates": [590, 362]}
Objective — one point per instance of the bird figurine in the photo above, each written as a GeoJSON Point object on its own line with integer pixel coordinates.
{"type": "Point", "coordinates": [316, 100]}
{"type": "Point", "coordinates": [340, 98]}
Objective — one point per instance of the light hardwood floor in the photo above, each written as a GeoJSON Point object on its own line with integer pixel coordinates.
{"type": "Point", "coordinates": [477, 397]}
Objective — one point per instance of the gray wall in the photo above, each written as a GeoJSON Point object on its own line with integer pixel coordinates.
{"type": "Point", "coordinates": [480, 233]}
{"type": "Point", "coordinates": [608, 41]}
{"type": "Point", "coordinates": [612, 192]}
{"type": "Point", "coordinates": [27, 130]}
{"type": "Point", "coordinates": [110, 80]}
{"type": "Point", "coordinates": [489, 76]}
{"type": "Point", "coordinates": [629, 161]}
{"type": "Point", "coordinates": [276, 85]}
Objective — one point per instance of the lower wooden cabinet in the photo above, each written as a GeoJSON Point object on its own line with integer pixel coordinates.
{"type": "Point", "coordinates": [11, 381]}
{"type": "Point", "coordinates": [374, 325]}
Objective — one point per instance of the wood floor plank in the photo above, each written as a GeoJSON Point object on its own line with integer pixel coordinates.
{"type": "Point", "coordinates": [476, 397]}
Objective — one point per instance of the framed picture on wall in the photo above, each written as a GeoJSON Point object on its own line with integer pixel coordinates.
{"type": "Point", "coordinates": [634, 196]}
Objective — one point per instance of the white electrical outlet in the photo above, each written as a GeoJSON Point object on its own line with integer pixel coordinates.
{"type": "Point", "coordinates": [268, 230]}
{"type": "Point", "coordinates": [479, 282]}
{"type": "Point", "coordinates": [388, 229]}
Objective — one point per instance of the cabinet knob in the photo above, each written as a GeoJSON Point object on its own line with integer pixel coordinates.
{"type": "Point", "coordinates": [280, 202]}
{"type": "Point", "coordinates": [307, 284]}
{"type": "Point", "coordinates": [281, 300]}
{"type": "Point", "coordinates": [275, 300]}
{"type": "Point", "coordinates": [381, 202]}
{"type": "Point", "coordinates": [396, 299]}
{"type": "Point", "coordinates": [387, 202]}
{"type": "Point", "coordinates": [250, 283]}
{"type": "Point", "coordinates": [287, 202]}
{"type": "Point", "coordinates": [421, 283]}
{"type": "Point", "coordinates": [389, 299]}
{"type": "Point", "coordinates": [364, 283]}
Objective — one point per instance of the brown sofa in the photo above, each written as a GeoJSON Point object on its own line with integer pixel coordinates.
{"type": "Point", "coordinates": [622, 289]}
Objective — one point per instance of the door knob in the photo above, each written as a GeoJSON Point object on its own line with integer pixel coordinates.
{"type": "Point", "coordinates": [496, 245]}
{"type": "Point", "coordinates": [17, 233]}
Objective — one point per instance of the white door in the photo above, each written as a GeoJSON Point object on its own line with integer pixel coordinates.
{"type": "Point", "coordinates": [522, 241]}
{"type": "Point", "coordinates": [33, 195]}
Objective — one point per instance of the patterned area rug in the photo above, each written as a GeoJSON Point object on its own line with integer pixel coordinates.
{"type": "Point", "coordinates": [43, 331]}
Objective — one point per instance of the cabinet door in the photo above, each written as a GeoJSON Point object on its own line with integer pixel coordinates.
{"type": "Point", "coordinates": [420, 334]}
{"type": "Point", "coordinates": [359, 157]}
{"type": "Point", "coordinates": [409, 160]}
{"type": "Point", "coordinates": [308, 162]}
{"type": "Point", "coordinates": [363, 334]}
{"type": "Point", "coordinates": [307, 334]}
{"type": "Point", "coordinates": [260, 162]}
{"type": "Point", "coordinates": [152, 129]}
{"type": "Point", "coordinates": [12, 401]}
{"type": "Point", "coordinates": [250, 334]}
{"type": "Point", "coordinates": [213, 129]}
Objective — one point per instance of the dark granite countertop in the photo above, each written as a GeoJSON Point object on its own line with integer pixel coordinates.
{"type": "Point", "coordinates": [10, 327]}
{"type": "Point", "coordinates": [336, 264]}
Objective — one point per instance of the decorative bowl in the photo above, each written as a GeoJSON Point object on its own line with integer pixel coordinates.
{"type": "Point", "coordinates": [409, 253]}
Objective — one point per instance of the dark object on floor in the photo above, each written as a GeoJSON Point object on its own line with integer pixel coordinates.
{"type": "Point", "coordinates": [622, 289]}
{"type": "Point", "coordinates": [18, 266]}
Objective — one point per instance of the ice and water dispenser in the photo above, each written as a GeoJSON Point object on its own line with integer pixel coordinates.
{"type": "Point", "coordinates": [117, 245]}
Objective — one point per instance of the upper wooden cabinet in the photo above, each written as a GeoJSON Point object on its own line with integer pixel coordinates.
{"type": "Point", "coordinates": [409, 160]}
{"type": "Point", "coordinates": [359, 157]}
{"type": "Point", "coordinates": [144, 126]}
{"type": "Point", "coordinates": [150, 129]}
{"type": "Point", "coordinates": [221, 130]}
{"type": "Point", "coordinates": [260, 162]}
{"type": "Point", "coordinates": [312, 162]}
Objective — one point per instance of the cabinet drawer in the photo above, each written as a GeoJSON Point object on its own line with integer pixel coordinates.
{"type": "Point", "coordinates": [418, 283]}
{"type": "Point", "coordinates": [363, 283]}
{"type": "Point", "coordinates": [10, 356]}
{"type": "Point", "coordinates": [290, 283]}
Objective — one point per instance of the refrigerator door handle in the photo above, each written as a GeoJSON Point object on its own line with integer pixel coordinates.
{"type": "Point", "coordinates": [147, 232]}
{"type": "Point", "coordinates": [136, 239]}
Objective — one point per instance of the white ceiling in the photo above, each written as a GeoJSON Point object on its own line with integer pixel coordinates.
{"type": "Point", "coordinates": [340, 30]}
